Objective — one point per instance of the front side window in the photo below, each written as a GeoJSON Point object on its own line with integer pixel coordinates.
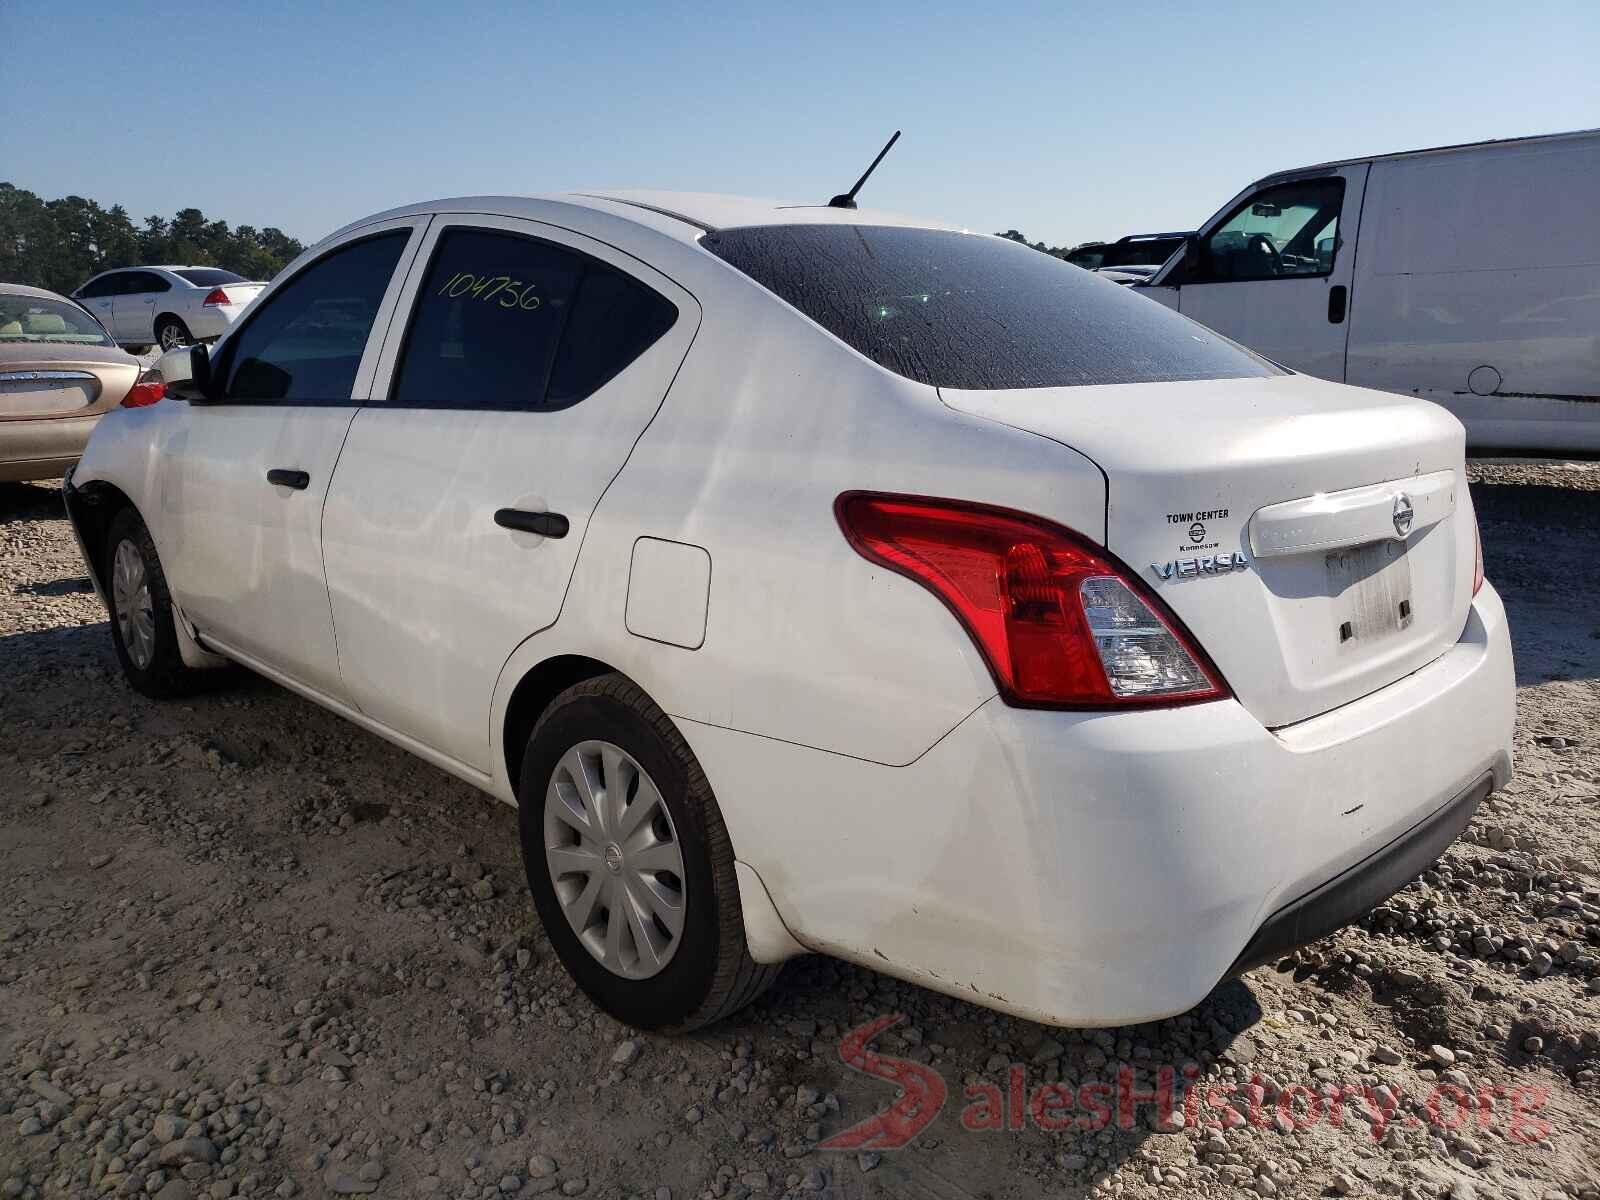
{"type": "Point", "coordinates": [504, 321]}
{"type": "Point", "coordinates": [304, 345]}
{"type": "Point", "coordinates": [106, 285]}
{"type": "Point", "coordinates": [959, 310]}
{"type": "Point", "coordinates": [1288, 230]}
{"type": "Point", "coordinates": [35, 319]}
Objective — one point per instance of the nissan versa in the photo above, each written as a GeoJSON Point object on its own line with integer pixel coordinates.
{"type": "Point", "coordinates": [816, 579]}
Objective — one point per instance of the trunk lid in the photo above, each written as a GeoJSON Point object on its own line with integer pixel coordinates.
{"type": "Point", "coordinates": [1316, 539]}
{"type": "Point", "coordinates": [242, 293]}
{"type": "Point", "coordinates": [63, 381]}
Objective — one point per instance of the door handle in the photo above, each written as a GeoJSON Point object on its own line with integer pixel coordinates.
{"type": "Point", "coordinates": [549, 524]}
{"type": "Point", "coordinates": [1338, 294]}
{"type": "Point", "coordinates": [289, 479]}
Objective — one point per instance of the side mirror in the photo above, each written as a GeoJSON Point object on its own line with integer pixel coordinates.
{"type": "Point", "coordinates": [186, 371]}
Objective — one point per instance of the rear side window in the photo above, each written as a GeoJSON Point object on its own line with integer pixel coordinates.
{"type": "Point", "coordinates": [137, 283]}
{"type": "Point", "coordinates": [959, 310]}
{"type": "Point", "coordinates": [504, 321]}
{"type": "Point", "coordinates": [304, 345]}
{"type": "Point", "coordinates": [615, 318]}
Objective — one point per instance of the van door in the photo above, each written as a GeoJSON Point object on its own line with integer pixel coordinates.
{"type": "Point", "coordinates": [533, 360]}
{"type": "Point", "coordinates": [1274, 269]}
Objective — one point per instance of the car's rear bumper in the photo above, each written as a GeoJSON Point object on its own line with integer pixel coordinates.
{"type": "Point", "coordinates": [214, 320]}
{"type": "Point", "coordinates": [42, 449]}
{"type": "Point", "coordinates": [1092, 869]}
{"type": "Point", "coordinates": [1356, 890]}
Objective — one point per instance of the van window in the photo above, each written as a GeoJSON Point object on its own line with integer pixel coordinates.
{"type": "Point", "coordinates": [1287, 231]}
{"type": "Point", "coordinates": [505, 321]}
{"type": "Point", "coordinates": [960, 310]}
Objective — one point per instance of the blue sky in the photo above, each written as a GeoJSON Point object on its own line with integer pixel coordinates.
{"type": "Point", "coordinates": [1068, 122]}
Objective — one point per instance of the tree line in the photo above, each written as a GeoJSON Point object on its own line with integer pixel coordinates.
{"type": "Point", "coordinates": [59, 244]}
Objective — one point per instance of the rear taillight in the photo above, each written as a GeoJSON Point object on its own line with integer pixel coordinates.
{"type": "Point", "coordinates": [146, 392]}
{"type": "Point", "coordinates": [1477, 557]}
{"type": "Point", "coordinates": [216, 296]}
{"type": "Point", "coordinates": [1060, 622]}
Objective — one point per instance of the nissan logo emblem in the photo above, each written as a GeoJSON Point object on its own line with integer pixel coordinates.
{"type": "Point", "coordinates": [1403, 514]}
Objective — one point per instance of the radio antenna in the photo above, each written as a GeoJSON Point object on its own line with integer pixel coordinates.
{"type": "Point", "coordinates": [848, 199]}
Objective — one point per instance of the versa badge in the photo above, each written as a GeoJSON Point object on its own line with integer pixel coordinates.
{"type": "Point", "coordinates": [1206, 564]}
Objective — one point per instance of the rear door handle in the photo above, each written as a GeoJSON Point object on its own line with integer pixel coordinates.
{"type": "Point", "coordinates": [1337, 298]}
{"type": "Point", "coordinates": [289, 479]}
{"type": "Point", "coordinates": [548, 524]}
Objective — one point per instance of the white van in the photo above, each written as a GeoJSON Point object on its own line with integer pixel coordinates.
{"type": "Point", "coordinates": [1469, 275]}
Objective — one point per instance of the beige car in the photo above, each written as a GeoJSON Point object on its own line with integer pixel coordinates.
{"type": "Point", "coordinates": [59, 371]}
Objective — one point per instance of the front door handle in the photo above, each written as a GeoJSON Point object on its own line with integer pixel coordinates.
{"type": "Point", "coordinates": [289, 479]}
{"type": "Point", "coordinates": [549, 524]}
{"type": "Point", "coordinates": [1337, 297]}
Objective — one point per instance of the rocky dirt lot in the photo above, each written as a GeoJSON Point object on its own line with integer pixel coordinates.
{"type": "Point", "coordinates": [249, 950]}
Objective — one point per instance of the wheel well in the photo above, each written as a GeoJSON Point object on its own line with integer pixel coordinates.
{"type": "Point", "coordinates": [533, 695]}
{"type": "Point", "coordinates": [96, 505]}
{"type": "Point", "coordinates": [160, 317]}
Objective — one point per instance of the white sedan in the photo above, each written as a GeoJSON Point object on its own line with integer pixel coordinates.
{"type": "Point", "coordinates": [814, 579]}
{"type": "Point", "coordinates": [167, 306]}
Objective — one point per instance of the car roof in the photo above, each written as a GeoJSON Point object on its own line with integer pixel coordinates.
{"type": "Point", "coordinates": [22, 289]}
{"type": "Point", "coordinates": [163, 267]}
{"type": "Point", "coordinates": [683, 215]}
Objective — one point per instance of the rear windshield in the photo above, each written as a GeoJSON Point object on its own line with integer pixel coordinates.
{"type": "Point", "coordinates": [209, 276]}
{"type": "Point", "coordinates": [35, 319]}
{"type": "Point", "coordinates": [959, 310]}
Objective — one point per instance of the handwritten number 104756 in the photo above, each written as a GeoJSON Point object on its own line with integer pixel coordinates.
{"type": "Point", "coordinates": [501, 289]}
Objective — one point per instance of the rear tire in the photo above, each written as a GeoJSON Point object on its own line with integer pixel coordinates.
{"type": "Point", "coordinates": [142, 617]}
{"type": "Point", "coordinates": [171, 333]}
{"type": "Point", "coordinates": [603, 753]}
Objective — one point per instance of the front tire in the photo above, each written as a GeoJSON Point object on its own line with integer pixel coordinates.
{"type": "Point", "coordinates": [629, 862]}
{"type": "Point", "coordinates": [172, 333]}
{"type": "Point", "coordinates": [142, 617]}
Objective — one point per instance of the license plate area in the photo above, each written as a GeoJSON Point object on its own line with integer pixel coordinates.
{"type": "Point", "coordinates": [1371, 588]}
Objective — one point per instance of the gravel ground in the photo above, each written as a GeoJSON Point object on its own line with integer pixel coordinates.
{"type": "Point", "coordinates": [247, 950]}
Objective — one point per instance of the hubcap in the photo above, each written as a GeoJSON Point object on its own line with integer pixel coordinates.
{"type": "Point", "coordinates": [130, 601]}
{"type": "Point", "coordinates": [170, 337]}
{"type": "Point", "coordinates": [614, 859]}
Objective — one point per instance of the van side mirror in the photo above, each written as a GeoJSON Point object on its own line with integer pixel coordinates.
{"type": "Point", "coordinates": [186, 371]}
